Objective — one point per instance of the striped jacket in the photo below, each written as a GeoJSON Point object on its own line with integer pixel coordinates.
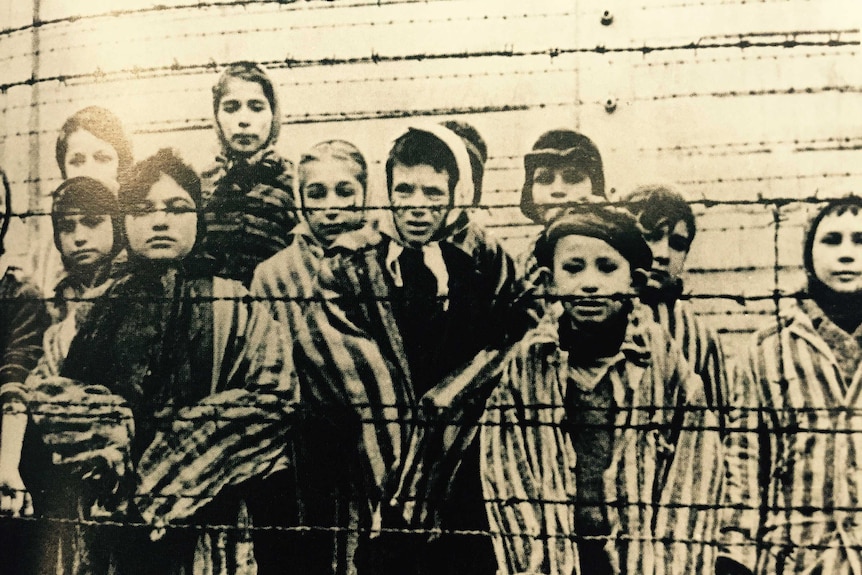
{"type": "Point", "coordinates": [287, 281]}
{"type": "Point", "coordinates": [661, 489]}
{"type": "Point", "coordinates": [354, 369]}
{"type": "Point", "coordinates": [794, 494]}
{"type": "Point", "coordinates": [701, 348]}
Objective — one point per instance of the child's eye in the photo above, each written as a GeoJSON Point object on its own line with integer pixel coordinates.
{"type": "Point", "coordinates": [315, 192]}
{"type": "Point", "coordinates": [258, 105]}
{"type": "Point", "coordinates": [678, 243]}
{"type": "Point", "coordinates": [230, 106]}
{"type": "Point", "coordinates": [573, 176]}
{"type": "Point", "coordinates": [179, 207]}
{"type": "Point", "coordinates": [345, 190]}
{"type": "Point", "coordinates": [857, 238]}
{"type": "Point", "coordinates": [66, 226]}
{"type": "Point", "coordinates": [93, 221]}
{"type": "Point", "coordinates": [139, 209]}
{"type": "Point", "coordinates": [607, 266]}
{"type": "Point", "coordinates": [76, 160]}
{"type": "Point", "coordinates": [655, 235]}
{"type": "Point", "coordinates": [102, 157]}
{"type": "Point", "coordinates": [544, 176]}
{"type": "Point", "coordinates": [574, 266]}
{"type": "Point", "coordinates": [831, 239]}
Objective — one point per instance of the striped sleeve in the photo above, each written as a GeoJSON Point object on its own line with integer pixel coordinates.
{"type": "Point", "coordinates": [740, 515]}
{"type": "Point", "coordinates": [230, 437]}
{"type": "Point", "coordinates": [526, 466]}
{"type": "Point", "coordinates": [346, 374]}
{"type": "Point", "coordinates": [692, 485]}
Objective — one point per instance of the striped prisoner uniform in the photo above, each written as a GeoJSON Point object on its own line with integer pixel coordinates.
{"type": "Point", "coordinates": [701, 348]}
{"type": "Point", "coordinates": [663, 482]}
{"type": "Point", "coordinates": [356, 372]}
{"type": "Point", "coordinates": [24, 319]}
{"type": "Point", "coordinates": [794, 448]}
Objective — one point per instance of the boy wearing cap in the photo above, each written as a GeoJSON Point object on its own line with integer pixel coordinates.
{"type": "Point", "coordinates": [401, 309]}
{"type": "Point", "coordinates": [598, 452]}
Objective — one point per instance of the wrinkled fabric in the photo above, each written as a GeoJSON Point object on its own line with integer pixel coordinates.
{"type": "Point", "coordinates": [793, 447]}
{"type": "Point", "coordinates": [666, 462]}
{"type": "Point", "coordinates": [155, 452]}
{"type": "Point", "coordinates": [249, 209]}
{"type": "Point", "coordinates": [355, 371]}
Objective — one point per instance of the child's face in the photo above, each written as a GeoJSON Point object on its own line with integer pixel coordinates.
{"type": "Point", "coordinates": [244, 116]}
{"type": "Point", "coordinates": [330, 188]}
{"type": "Point", "coordinates": [669, 247]}
{"type": "Point", "coordinates": [421, 199]}
{"type": "Point", "coordinates": [87, 155]}
{"type": "Point", "coordinates": [85, 239]}
{"type": "Point", "coordinates": [561, 185]}
{"type": "Point", "coordinates": [594, 274]}
{"type": "Point", "coordinates": [163, 226]}
{"type": "Point", "coordinates": [837, 252]}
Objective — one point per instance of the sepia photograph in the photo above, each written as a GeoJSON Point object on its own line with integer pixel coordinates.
{"type": "Point", "coordinates": [431, 287]}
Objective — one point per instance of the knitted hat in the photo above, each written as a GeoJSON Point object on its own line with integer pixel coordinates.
{"type": "Point", "coordinates": [561, 148]}
{"type": "Point", "coordinates": [613, 226]}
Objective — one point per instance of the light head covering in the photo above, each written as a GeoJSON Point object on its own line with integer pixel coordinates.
{"type": "Point", "coordinates": [462, 198]}
{"type": "Point", "coordinates": [249, 72]}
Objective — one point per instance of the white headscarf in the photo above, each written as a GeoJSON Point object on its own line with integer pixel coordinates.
{"type": "Point", "coordinates": [462, 199]}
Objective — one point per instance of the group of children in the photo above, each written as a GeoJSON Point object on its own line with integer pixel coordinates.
{"type": "Point", "coordinates": [229, 382]}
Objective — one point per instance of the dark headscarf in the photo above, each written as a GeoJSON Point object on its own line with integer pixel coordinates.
{"type": "Point", "coordinates": [613, 226]}
{"type": "Point", "coordinates": [561, 148]}
{"type": "Point", "coordinates": [86, 196]}
{"type": "Point", "coordinates": [140, 180]}
{"type": "Point", "coordinates": [844, 309]}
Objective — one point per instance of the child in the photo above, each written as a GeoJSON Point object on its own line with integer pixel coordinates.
{"type": "Point", "coordinates": [564, 168]}
{"type": "Point", "coordinates": [401, 309]}
{"type": "Point", "coordinates": [138, 388]}
{"type": "Point", "coordinates": [91, 143]}
{"type": "Point", "coordinates": [794, 479]}
{"type": "Point", "coordinates": [669, 229]}
{"type": "Point", "coordinates": [248, 194]}
{"type": "Point", "coordinates": [597, 454]}
{"type": "Point", "coordinates": [333, 179]}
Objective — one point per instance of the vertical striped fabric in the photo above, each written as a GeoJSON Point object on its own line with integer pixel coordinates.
{"type": "Point", "coordinates": [701, 348]}
{"type": "Point", "coordinates": [794, 494]}
{"type": "Point", "coordinates": [661, 488]}
{"type": "Point", "coordinates": [354, 370]}
{"type": "Point", "coordinates": [286, 282]}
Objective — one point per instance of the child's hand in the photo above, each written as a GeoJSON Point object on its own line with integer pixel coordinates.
{"type": "Point", "coordinates": [14, 498]}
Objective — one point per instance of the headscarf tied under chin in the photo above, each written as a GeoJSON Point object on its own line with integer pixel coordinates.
{"type": "Point", "coordinates": [247, 72]}
{"type": "Point", "coordinates": [844, 309]}
{"type": "Point", "coordinates": [463, 195]}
